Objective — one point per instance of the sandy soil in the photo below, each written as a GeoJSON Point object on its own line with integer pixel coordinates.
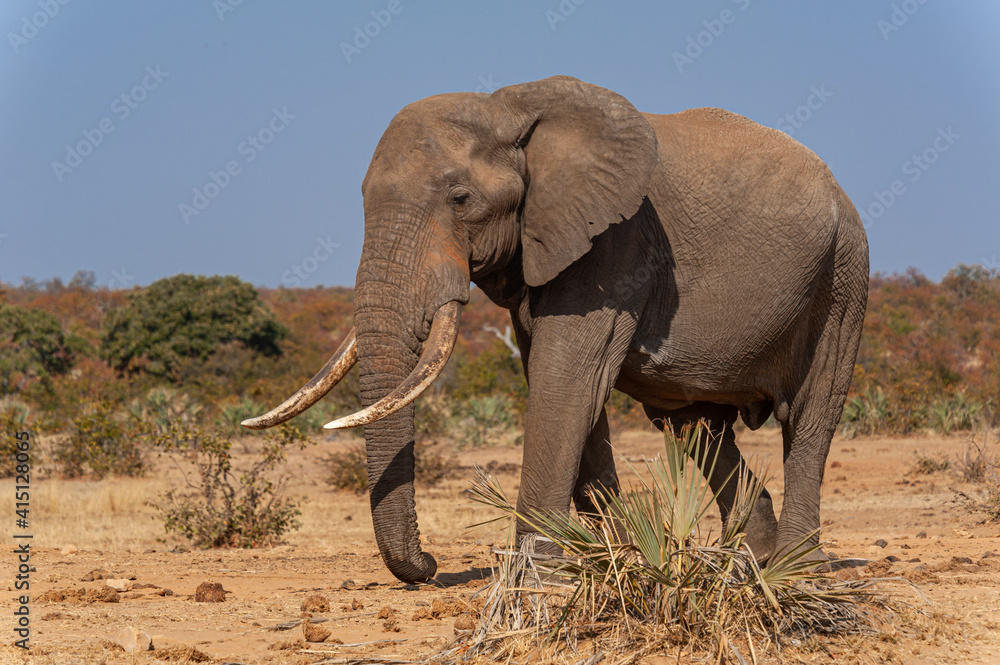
{"type": "Point", "coordinates": [870, 494]}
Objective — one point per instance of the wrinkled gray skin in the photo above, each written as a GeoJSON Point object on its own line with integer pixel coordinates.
{"type": "Point", "coordinates": [701, 263]}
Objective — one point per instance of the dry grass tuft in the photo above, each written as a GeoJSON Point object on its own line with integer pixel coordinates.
{"type": "Point", "coordinates": [663, 587]}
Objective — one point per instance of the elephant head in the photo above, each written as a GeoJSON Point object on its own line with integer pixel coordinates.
{"type": "Point", "coordinates": [461, 186]}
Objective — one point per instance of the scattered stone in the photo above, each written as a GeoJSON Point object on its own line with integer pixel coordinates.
{"type": "Point", "coordinates": [357, 604]}
{"type": "Point", "coordinates": [988, 553]}
{"type": "Point", "coordinates": [835, 465]}
{"type": "Point", "coordinates": [892, 559]}
{"type": "Point", "coordinates": [134, 640]}
{"type": "Point", "coordinates": [96, 574]}
{"type": "Point", "coordinates": [68, 550]}
{"type": "Point", "coordinates": [210, 592]}
{"type": "Point", "coordinates": [103, 595]}
{"type": "Point", "coordinates": [121, 585]}
{"type": "Point", "coordinates": [286, 645]}
{"type": "Point", "coordinates": [314, 632]}
{"type": "Point", "coordinates": [961, 559]}
{"type": "Point", "coordinates": [178, 550]}
{"type": "Point", "coordinates": [881, 543]}
{"type": "Point", "coordinates": [922, 534]}
{"type": "Point", "coordinates": [913, 560]}
{"type": "Point", "coordinates": [182, 654]}
{"type": "Point", "coordinates": [904, 546]}
{"type": "Point", "coordinates": [920, 568]}
{"type": "Point", "coordinates": [464, 622]}
{"type": "Point", "coordinates": [315, 603]}
{"type": "Point", "coordinates": [53, 596]}
{"type": "Point", "coordinates": [164, 592]}
{"type": "Point", "coordinates": [56, 616]}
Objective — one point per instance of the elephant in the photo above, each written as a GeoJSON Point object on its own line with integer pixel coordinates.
{"type": "Point", "coordinates": [705, 265]}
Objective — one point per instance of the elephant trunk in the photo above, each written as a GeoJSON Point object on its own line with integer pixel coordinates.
{"type": "Point", "coordinates": [388, 322]}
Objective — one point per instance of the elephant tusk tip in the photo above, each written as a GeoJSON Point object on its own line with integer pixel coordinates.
{"type": "Point", "coordinates": [253, 423]}
{"type": "Point", "coordinates": [335, 424]}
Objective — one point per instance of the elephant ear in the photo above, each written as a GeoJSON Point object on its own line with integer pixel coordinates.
{"type": "Point", "coordinates": [589, 156]}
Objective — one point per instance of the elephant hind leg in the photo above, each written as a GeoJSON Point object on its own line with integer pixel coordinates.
{"type": "Point", "coordinates": [762, 527]}
{"type": "Point", "coordinates": [812, 418]}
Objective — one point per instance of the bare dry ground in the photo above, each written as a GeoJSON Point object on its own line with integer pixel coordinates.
{"type": "Point", "coordinates": [869, 495]}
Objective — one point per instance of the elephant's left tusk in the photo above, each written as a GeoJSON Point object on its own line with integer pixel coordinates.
{"type": "Point", "coordinates": [335, 369]}
{"type": "Point", "coordinates": [437, 349]}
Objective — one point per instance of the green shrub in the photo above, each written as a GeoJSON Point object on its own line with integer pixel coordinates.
{"type": "Point", "coordinates": [13, 421]}
{"type": "Point", "coordinates": [867, 413]}
{"type": "Point", "coordinates": [102, 443]}
{"type": "Point", "coordinates": [225, 506]}
{"type": "Point", "coordinates": [955, 413]}
{"type": "Point", "coordinates": [32, 346]}
{"type": "Point", "coordinates": [162, 408]}
{"type": "Point", "coordinates": [183, 317]}
{"type": "Point", "coordinates": [483, 421]}
{"type": "Point", "coordinates": [231, 415]}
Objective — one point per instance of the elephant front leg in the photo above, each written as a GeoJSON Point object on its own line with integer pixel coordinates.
{"type": "Point", "coordinates": [566, 448]}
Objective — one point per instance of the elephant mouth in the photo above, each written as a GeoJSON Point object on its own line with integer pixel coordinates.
{"type": "Point", "coordinates": [434, 356]}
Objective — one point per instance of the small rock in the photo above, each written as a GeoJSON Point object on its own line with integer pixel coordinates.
{"type": "Point", "coordinates": [881, 543]}
{"type": "Point", "coordinates": [961, 559]}
{"type": "Point", "coordinates": [464, 622]}
{"type": "Point", "coordinates": [210, 592]}
{"type": "Point", "coordinates": [920, 567]}
{"type": "Point", "coordinates": [313, 632]}
{"type": "Point", "coordinates": [68, 550]}
{"type": "Point", "coordinates": [119, 584]}
{"type": "Point", "coordinates": [913, 560]}
{"type": "Point", "coordinates": [904, 546]}
{"type": "Point", "coordinates": [922, 534]}
{"type": "Point", "coordinates": [315, 603]}
{"type": "Point", "coordinates": [892, 559]}
{"type": "Point", "coordinates": [357, 604]}
{"type": "Point", "coordinates": [988, 553]}
{"type": "Point", "coordinates": [133, 640]}
{"type": "Point", "coordinates": [96, 574]}
{"type": "Point", "coordinates": [835, 465]}
{"type": "Point", "coordinates": [164, 592]}
{"type": "Point", "coordinates": [178, 550]}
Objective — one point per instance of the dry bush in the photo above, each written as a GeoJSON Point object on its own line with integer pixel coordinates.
{"type": "Point", "coordinates": [926, 465]}
{"type": "Point", "coordinates": [349, 469]}
{"type": "Point", "coordinates": [222, 506]}
{"type": "Point", "coordinates": [663, 585]}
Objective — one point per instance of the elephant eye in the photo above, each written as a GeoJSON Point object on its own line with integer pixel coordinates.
{"type": "Point", "coordinates": [458, 200]}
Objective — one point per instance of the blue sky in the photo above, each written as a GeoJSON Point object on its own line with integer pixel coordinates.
{"type": "Point", "coordinates": [905, 100]}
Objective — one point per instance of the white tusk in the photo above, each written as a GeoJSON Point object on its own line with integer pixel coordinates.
{"type": "Point", "coordinates": [437, 349]}
{"type": "Point", "coordinates": [335, 369]}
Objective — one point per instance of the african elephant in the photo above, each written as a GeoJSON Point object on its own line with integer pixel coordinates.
{"type": "Point", "coordinates": [703, 264]}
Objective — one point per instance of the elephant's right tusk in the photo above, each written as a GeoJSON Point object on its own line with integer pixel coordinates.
{"type": "Point", "coordinates": [437, 349]}
{"type": "Point", "coordinates": [335, 369]}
